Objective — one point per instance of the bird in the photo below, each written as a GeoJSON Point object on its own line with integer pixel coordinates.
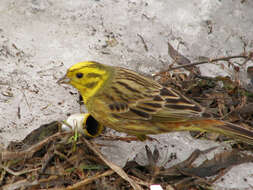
{"type": "Point", "coordinates": [129, 102]}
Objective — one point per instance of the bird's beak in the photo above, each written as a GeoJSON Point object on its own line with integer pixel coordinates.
{"type": "Point", "coordinates": [64, 80]}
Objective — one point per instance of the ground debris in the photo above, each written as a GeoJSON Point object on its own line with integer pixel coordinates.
{"type": "Point", "coordinates": [58, 162]}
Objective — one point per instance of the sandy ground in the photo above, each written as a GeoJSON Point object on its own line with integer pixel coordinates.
{"type": "Point", "coordinates": [40, 39]}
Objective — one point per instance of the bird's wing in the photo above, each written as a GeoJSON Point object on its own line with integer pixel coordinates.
{"type": "Point", "coordinates": [132, 96]}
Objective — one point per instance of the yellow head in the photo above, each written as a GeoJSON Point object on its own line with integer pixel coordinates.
{"type": "Point", "coordinates": [88, 77]}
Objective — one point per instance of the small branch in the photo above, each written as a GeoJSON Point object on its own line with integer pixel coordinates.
{"type": "Point", "coordinates": [28, 153]}
{"type": "Point", "coordinates": [143, 41]}
{"type": "Point", "coordinates": [20, 184]}
{"type": "Point", "coordinates": [247, 57]}
{"type": "Point", "coordinates": [113, 166]}
{"type": "Point", "coordinates": [89, 180]}
{"type": "Point", "coordinates": [17, 173]}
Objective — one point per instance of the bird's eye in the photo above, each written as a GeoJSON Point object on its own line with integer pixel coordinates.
{"type": "Point", "coordinates": [79, 75]}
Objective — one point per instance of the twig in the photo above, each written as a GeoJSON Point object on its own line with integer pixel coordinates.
{"type": "Point", "coordinates": [25, 184]}
{"type": "Point", "coordinates": [88, 180]}
{"type": "Point", "coordinates": [17, 173]}
{"type": "Point", "coordinates": [114, 167]}
{"type": "Point", "coordinates": [247, 57]}
{"type": "Point", "coordinates": [139, 181]}
{"type": "Point", "coordinates": [20, 184]}
{"type": "Point", "coordinates": [28, 153]}
{"type": "Point", "coordinates": [143, 41]}
{"type": "Point", "coordinates": [26, 101]}
{"type": "Point", "coordinates": [46, 159]}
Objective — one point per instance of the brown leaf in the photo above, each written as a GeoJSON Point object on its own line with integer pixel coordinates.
{"type": "Point", "coordinates": [176, 56]}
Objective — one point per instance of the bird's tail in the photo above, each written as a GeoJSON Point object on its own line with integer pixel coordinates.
{"type": "Point", "coordinates": [234, 131]}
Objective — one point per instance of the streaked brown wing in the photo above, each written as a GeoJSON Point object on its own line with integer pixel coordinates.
{"type": "Point", "coordinates": [132, 96]}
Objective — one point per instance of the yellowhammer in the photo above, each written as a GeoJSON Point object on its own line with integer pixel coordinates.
{"type": "Point", "coordinates": [128, 102]}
